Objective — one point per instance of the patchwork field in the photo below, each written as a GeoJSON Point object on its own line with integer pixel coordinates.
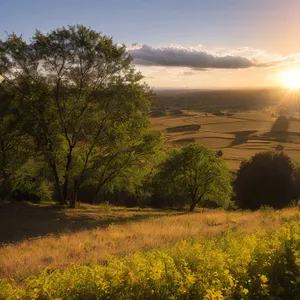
{"type": "Point", "coordinates": [238, 135]}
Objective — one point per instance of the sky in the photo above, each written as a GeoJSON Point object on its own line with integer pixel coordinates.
{"type": "Point", "coordinates": [180, 44]}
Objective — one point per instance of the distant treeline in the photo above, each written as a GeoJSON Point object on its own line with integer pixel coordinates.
{"type": "Point", "coordinates": [216, 100]}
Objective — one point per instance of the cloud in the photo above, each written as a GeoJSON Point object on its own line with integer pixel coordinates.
{"type": "Point", "coordinates": [187, 73]}
{"type": "Point", "coordinates": [288, 60]}
{"type": "Point", "coordinates": [200, 59]}
{"type": "Point", "coordinates": [187, 57]}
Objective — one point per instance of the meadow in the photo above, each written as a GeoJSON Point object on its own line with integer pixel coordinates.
{"type": "Point", "coordinates": [204, 255]}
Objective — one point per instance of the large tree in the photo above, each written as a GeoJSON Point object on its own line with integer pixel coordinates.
{"type": "Point", "coordinates": [82, 100]}
{"type": "Point", "coordinates": [267, 178]}
{"type": "Point", "coordinates": [195, 173]}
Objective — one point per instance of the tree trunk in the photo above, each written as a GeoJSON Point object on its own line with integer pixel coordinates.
{"type": "Point", "coordinates": [192, 207]}
{"type": "Point", "coordinates": [66, 181]}
{"type": "Point", "coordinates": [57, 184]}
{"type": "Point", "coordinates": [98, 189]}
{"type": "Point", "coordinates": [96, 195]}
{"type": "Point", "coordinates": [195, 202]}
{"type": "Point", "coordinates": [74, 198]}
{"type": "Point", "coordinates": [4, 188]}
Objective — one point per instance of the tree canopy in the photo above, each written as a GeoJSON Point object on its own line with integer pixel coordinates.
{"type": "Point", "coordinates": [195, 173]}
{"type": "Point", "coordinates": [265, 179]}
{"type": "Point", "coordinates": [81, 101]}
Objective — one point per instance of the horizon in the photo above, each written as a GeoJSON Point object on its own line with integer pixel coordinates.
{"type": "Point", "coordinates": [219, 88]}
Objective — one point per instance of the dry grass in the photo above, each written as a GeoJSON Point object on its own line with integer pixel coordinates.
{"type": "Point", "coordinates": [32, 256]}
{"type": "Point", "coordinates": [26, 220]}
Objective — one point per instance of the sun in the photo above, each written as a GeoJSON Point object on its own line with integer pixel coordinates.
{"type": "Point", "coordinates": [291, 79]}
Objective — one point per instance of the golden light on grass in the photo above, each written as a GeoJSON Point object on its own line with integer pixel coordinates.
{"type": "Point", "coordinates": [290, 79]}
{"type": "Point", "coordinates": [30, 257]}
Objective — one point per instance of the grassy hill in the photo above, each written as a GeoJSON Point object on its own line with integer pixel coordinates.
{"type": "Point", "coordinates": [177, 256]}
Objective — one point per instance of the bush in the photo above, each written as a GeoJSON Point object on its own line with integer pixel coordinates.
{"type": "Point", "coordinates": [32, 190]}
{"type": "Point", "coordinates": [266, 179]}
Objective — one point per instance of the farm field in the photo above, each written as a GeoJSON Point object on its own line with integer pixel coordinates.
{"type": "Point", "coordinates": [238, 136]}
{"type": "Point", "coordinates": [204, 254]}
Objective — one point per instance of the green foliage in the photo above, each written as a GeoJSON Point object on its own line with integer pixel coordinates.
{"type": "Point", "coordinates": [15, 148]}
{"type": "Point", "coordinates": [83, 103]}
{"type": "Point", "coordinates": [264, 265]}
{"type": "Point", "coordinates": [30, 182]}
{"type": "Point", "coordinates": [266, 179]}
{"type": "Point", "coordinates": [127, 164]}
{"type": "Point", "coordinates": [8, 290]}
{"type": "Point", "coordinates": [196, 174]}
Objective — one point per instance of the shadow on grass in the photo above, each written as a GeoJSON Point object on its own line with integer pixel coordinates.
{"type": "Point", "coordinates": [279, 131]}
{"type": "Point", "coordinates": [241, 137]}
{"type": "Point", "coordinates": [281, 137]}
{"type": "Point", "coordinates": [185, 140]}
{"type": "Point", "coordinates": [182, 128]}
{"type": "Point", "coordinates": [20, 221]}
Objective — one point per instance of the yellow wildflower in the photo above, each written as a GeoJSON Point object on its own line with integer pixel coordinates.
{"type": "Point", "coordinates": [245, 291]}
{"type": "Point", "coordinates": [263, 279]}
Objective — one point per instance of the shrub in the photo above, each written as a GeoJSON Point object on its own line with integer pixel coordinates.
{"type": "Point", "coordinates": [264, 265]}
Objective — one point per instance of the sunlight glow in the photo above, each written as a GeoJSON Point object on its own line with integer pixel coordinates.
{"type": "Point", "coordinates": [291, 79]}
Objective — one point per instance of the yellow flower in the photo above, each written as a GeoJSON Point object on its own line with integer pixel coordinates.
{"type": "Point", "coordinates": [263, 279]}
{"type": "Point", "coordinates": [245, 291]}
{"type": "Point", "coordinates": [231, 282]}
{"type": "Point", "coordinates": [213, 295]}
{"type": "Point", "coordinates": [182, 289]}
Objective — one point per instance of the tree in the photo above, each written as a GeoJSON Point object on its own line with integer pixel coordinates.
{"type": "Point", "coordinates": [267, 178]}
{"type": "Point", "coordinates": [195, 173]}
{"type": "Point", "coordinates": [124, 168]}
{"type": "Point", "coordinates": [81, 97]}
{"type": "Point", "coordinates": [14, 144]}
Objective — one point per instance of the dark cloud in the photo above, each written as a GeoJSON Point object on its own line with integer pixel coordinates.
{"type": "Point", "coordinates": [183, 57]}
